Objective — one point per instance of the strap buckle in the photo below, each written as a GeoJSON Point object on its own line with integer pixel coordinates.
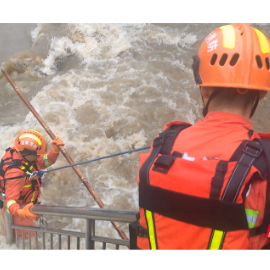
{"type": "Point", "coordinates": [164, 163]}
{"type": "Point", "coordinates": [142, 232]}
{"type": "Point", "coordinates": [158, 141]}
{"type": "Point", "coordinates": [16, 162]}
{"type": "Point", "coordinates": [162, 136]}
{"type": "Point", "coordinates": [253, 146]}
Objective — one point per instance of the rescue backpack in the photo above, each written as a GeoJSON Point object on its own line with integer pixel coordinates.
{"type": "Point", "coordinates": [205, 213]}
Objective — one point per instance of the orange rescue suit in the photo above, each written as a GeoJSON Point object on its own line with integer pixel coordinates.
{"type": "Point", "coordinates": [193, 197]}
{"type": "Point", "coordinates": [22, 190]}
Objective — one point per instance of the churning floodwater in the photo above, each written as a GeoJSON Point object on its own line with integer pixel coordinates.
{"type": "Point", "coordinates": [103, 89]}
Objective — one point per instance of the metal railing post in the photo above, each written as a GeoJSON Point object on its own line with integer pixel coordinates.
{"type": "Point", "coordinates": [8, 222]}
{"type": "Point", "coordinates": [90, 225]}
{"type": "Point", "coordinates": [90, 215]}
{"type": "Point", "coordinates": [9, 231]}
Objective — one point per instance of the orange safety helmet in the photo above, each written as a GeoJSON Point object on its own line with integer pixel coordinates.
{"type": "Point", "coordinates": [30, 142]}
{"type": "Point", "coordinates": [234, 56]}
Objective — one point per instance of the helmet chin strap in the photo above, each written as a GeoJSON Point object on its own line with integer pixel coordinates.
{"type": "Point", "coordinates": [255, 105]}
{"type": "Point", "coordinates": [217, 91]}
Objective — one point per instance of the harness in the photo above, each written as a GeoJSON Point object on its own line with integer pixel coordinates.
{"type": "Point", "coordinates": [30, 187]}
{"type": "Point", "coordinates": [219, 211]}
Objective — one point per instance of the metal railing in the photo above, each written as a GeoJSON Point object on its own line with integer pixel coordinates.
{"type": "Point", "coordinates": [91, 215]}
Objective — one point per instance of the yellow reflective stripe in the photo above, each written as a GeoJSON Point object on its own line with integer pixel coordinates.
{"type": "Point", "coordinates": [22, 168]}
{"type": "Point", "coordinates": [251, 217]}
{"type": "Point", "coordinates": [151, 229]}
{"type": "Point", "coordinates": [263, 41]}
{"type": "Point", "coordinates": [46, 161]}
{"type": "Point", "coordinates": [216, 240]}
{"type": "Point", "coordinates": [228, 33]}
{"type": "Point", "coordinates": [9, 204]}
{"type": "Point", "coordinates": [31, 167]}
{"type": "Point", "coordinates": [35, 131]}
{"type": "Point", "coordinates": [251, 225]}
{"type": "Point", "coordinates": [33, 196]}
{"type": "Point", "coordinates": [26, 186]}
{"type": "Point", "coordinates": [32, 137]}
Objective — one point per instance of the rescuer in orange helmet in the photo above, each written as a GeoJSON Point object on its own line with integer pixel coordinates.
{"type": "Point", "coordinates": [207, 185]}
{"type": "Point", "coordinates": [26, 156]}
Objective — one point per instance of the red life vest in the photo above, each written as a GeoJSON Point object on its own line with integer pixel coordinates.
{"type": "Point", "coordinates": [31, 189]}
{"type": "Point", "coordinates": [197, 204]}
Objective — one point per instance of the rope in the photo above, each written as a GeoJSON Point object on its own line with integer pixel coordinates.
{"type": "Point", "coordinates": [40, 173]}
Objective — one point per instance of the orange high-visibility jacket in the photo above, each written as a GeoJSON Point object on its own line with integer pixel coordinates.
{"type": "Point", "coordinates": [23, 191]}
{"type": "Point", "coordinates": [207, 191]}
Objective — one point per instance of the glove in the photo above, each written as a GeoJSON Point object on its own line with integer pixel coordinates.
{"type": "Point", "coordinates": [27, 213]}
{"type": "Point", "coordinates": [55, 144]}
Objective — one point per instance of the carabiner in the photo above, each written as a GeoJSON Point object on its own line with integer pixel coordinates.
{"type": "Point", "coordinates": [32, 175]}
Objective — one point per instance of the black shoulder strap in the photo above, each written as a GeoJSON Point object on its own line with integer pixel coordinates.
{"type": "Point", "coordinates": [162, 144]}
{"type": "Point", "coordinates": [247, 154]}
{"type": "Point", "coordinates": [250, 151]}
{"type": "Point", "coordinates": [266, 219]}
{"type": "Point", "coordinates": [260, 163]}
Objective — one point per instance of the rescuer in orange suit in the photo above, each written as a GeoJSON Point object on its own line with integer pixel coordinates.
{"type": "Point", "coordinates": [207, 185]}
{"type": "Point", "coordinates": [26, 156]}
